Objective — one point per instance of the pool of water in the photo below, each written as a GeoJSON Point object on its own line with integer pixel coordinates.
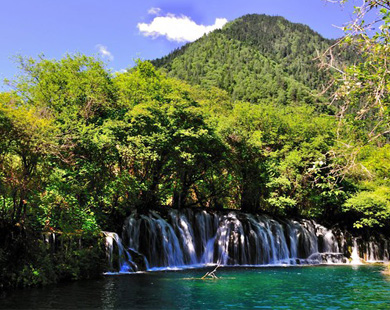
{"type": "Point", "coordinates": [320, 287]}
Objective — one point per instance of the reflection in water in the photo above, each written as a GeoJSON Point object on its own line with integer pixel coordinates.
{"type": "Point", "coordinates": [109, 294]}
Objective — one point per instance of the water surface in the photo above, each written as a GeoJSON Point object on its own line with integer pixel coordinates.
{"type": "Point", "coordinates": [319, 287]}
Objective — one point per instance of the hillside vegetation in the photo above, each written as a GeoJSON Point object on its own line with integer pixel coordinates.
{"type": "Point", "coordinates": [257, 58]}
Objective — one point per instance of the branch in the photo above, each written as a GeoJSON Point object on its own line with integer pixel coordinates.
{"type": "Point", "coordinates": [211, 274]}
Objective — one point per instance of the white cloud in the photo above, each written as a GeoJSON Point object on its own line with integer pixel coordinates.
{"type": "Point", "coordinates": [154, 11]}
{"type": "Point", "coordinates": [178, 28]}
{"type": "Point", "coordinates": [120, 71]}
{"type": "Point", "coordinates": [105, 52]}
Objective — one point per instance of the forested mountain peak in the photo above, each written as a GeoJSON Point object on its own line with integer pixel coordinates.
{"type": "Point", "coordinates": [255, 58]}
{"type": "Point", "coordinates": [269, 25]}
{"type": "Point", "coordinates": [278, 38]}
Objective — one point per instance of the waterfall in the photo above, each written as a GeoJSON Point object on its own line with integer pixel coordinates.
{"type": "Point", "coordinates": [124, 260]}
{"type": "Point", "coordinates": [355, 253]}
{"type": "Point", "coordinates": [195, 238]}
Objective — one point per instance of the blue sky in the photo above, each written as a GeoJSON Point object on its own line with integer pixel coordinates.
{"type": "Point", "coordinates": [121, 31]}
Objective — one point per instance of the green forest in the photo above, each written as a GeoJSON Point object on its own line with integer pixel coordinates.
{"type": "Point", "coordinates": [240, 119]}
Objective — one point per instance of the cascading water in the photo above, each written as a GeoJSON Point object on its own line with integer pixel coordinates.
{"type": "Point", "coordinates": [124, 259]}
{"type": "Point", "coordinates": [376, 250]}
{"type": "Point", "coordinates": [355, 253]}
{"type": "Point", "coordinates": [191, 238]}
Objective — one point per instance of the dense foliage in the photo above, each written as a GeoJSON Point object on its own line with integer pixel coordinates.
{"type": "Point", "coordinates": [82, 147]}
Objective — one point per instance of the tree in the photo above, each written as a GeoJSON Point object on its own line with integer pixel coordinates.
{"type": "Point", "coordinates": [363, 98]}
{"type": "Point", "coordinates": [162, 137]}
{"type": "Point", "coordinates": [55, 117]}
{"type": "Point", "coordinates": [363, 91]}
{"type": "Point", "coordinates": [27, 138]}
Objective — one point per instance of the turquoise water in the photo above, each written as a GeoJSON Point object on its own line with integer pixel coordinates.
{"type": "Point", "coordinates": [321, 287]}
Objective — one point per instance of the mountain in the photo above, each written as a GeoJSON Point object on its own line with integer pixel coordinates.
{"type": "Point", "coordinates": [255, 58]}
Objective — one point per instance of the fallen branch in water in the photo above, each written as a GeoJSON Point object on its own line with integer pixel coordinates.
{"type": "Point", "coordinates": [211, 274]}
